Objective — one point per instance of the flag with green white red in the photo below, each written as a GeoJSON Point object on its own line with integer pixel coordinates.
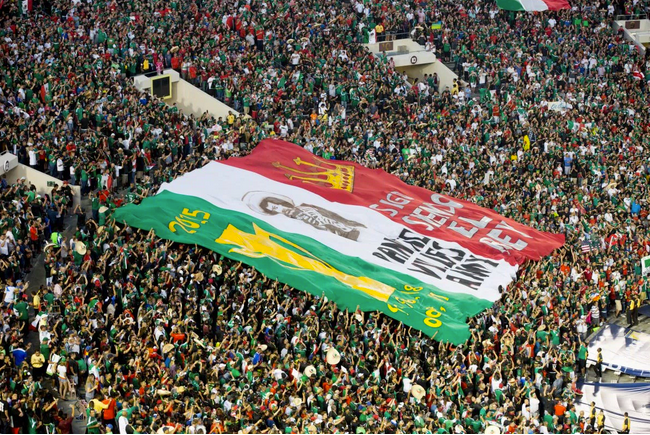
{"type": "Point", "coordinates": [533, 5]}
{"type": "Point", "coordinates": [645, 265]}
{"type": "Point", "coordinates": [360, 237]}
{"type": "Point", "coordinates": [25, 6]}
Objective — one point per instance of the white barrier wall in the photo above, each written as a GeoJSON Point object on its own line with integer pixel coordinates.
{"type": "Point", "coordinates": [445, 75]}
{"type": "Point", "coordinates": [639, 36]}
{"type": "Point", "coordinates": [192, 101]}
{"type": "Point", "coordinates": [411, 58]}
{"type": "Point", "coordinates": [406, 45]}
{"type": "Point", "coordinates": [143, 83]}
{"type": "Point", "coordinates": [40, 180]}
{"type": "Point", "coordinates": [415, 58]}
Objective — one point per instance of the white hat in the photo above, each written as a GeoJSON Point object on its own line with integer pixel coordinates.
{"type": "Point", "coordinates": [333, 356]}
{"type": "Point", "coordinates": [310, 371]}
{"type": "Point", "coordinates": [80, 248]}
{"type": "Point", "coordinates": [417, 391]}
{"type": "Point", "coordinates": [492, 430]}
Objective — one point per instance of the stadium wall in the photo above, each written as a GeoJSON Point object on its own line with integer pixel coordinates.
{"type": "Point", "coordinates": [192, 101]}
{"type": "Point", "coordinates": [42, 181]}
{"type": "Point", "coordinates": [445, 75]}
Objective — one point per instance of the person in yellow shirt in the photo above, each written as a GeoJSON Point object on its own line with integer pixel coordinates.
{"type": "Point", "coordinates": [38, 364]}
{"type": "Point", "coordinates": [626, 424]}
{"type": "Point", "coordinates": [455, 87]}
{"type": "Point", "coordinates": [379, 30]}
{"type": "Point", "coordinates": [599, 364]}
{"type": "Point", "coordinates": [600, 420]}
{"type": "Point", "coordinates": [230, 118]}
{"type": "Point", "coordinates": [98, 406]}
{"type": "Point", "coordinates": [36, 301]}
{"type": "Point", "coordinates": [635, 311]}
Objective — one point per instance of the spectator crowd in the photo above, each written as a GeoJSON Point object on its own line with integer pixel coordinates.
{"type": "Point", "coordinates": [548, 124]}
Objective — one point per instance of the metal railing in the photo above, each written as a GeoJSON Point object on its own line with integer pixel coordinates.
{"type": "Point", "coordinates": [631, 17]}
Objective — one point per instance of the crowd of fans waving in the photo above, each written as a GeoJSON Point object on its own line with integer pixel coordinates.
{"type": "Point", "coordinates": [144, 335]}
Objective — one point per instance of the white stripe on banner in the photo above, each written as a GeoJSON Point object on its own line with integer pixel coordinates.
{"type": "Point", "coordinates": [534, 5]}
{"type": "Point", "coordinates": [351, 230]}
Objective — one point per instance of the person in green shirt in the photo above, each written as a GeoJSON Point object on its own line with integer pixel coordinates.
{"type": "Point", "coordinates": [32, 424]}
{"type": "Point", "coordinates": [45, 348]}
{"type": "Point", "coordinates": [92, 423]}
{"type": "Point", "coordinates": [23, 310]}
{"type": "Point", "coordinates": [582, 359]}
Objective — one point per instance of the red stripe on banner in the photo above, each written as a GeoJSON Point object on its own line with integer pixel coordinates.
{"type": "Point", "coordinates": [481, 230]}
{"type": "Point", "coordinates": [556, 5]}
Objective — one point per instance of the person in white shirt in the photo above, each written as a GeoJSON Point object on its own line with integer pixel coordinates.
{"type": "Point", "coordinates": [4, 246]}
{"type": "Point", "coordinates": [10, 294]}
{"type": "Point", "coordinates": [10, 240]}
{"type": "Point", "coordinates": [122, 423]}
{"type": "Point", "coordinates": [62, 373]}
{"type": "Point", "coordinates": [104, 180]}
{"type": "Point", "coordinates": [295, 58]}
{"type": "Point", "coordinates": [32, 157]}
{"type": "Point", "coordinates": [60, 167]}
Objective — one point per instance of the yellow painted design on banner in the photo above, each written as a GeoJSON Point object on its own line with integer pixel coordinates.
{"type": "Point", "coordinates": [334, 175]}
{"type": "Point", "coordinates": [263, 244]}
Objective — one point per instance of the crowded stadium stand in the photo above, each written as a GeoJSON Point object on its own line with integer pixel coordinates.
{"type": "Point", "coordinates": [324, 216]}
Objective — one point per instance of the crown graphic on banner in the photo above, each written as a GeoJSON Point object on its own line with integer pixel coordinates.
{"type": "Point", "coordinates": [340, 177]}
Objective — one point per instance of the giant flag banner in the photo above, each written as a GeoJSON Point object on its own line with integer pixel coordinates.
{"type": "Point", "coordinates": [533, 5]}
{"type": "Point", "coordinates": [360, 236]}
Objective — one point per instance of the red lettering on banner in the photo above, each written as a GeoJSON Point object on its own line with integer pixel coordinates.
{"type": "Point", "coordinates": [440, 214]}
{"type": "Point", "coordinates": [481, 230]}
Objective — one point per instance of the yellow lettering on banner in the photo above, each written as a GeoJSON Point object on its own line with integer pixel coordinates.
{"type": "Point", "coordinates": [432, 317]}
{"type": "Point", "coordinates": [402, 301]}
{"type": "Point", "coordinates": [433, 295]}
{"type": "Point", "coordinates": [263, 244]}
{"type": "Point", "coordinates": [187, 220]}
{"type": "Point", "coordinates": [395, 309]}
{"type": "Point", "coordinates": [408, 302]}
{"type": "Point", "coordinates": [194, 213]}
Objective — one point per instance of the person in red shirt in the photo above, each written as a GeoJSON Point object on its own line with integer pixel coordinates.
{"type": "Point", "coordinates": [65, 424]}
{"type": "Point", "coordinates": [108, 415]}
{"type": "Point", "coordinates": [176, 62]}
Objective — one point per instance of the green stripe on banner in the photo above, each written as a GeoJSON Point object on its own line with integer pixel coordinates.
{"type": "Point", "coordinates": [306, 264]}
{"type": "Point", "coordinates": [510, 5]}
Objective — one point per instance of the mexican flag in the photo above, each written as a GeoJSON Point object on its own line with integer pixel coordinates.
{"type": "Point", "coordinates": [45, 91]}
{"type": "Point", "coordinates": [533, 5]}
{"type": "Point", "coordinates": [360, 236]}
{"type": "Point", "coordinates": [638, 75]}
{"type": "Point", "coordinates": [645, 265]}
{"type": "Point", "coordinates": [25, 6]}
